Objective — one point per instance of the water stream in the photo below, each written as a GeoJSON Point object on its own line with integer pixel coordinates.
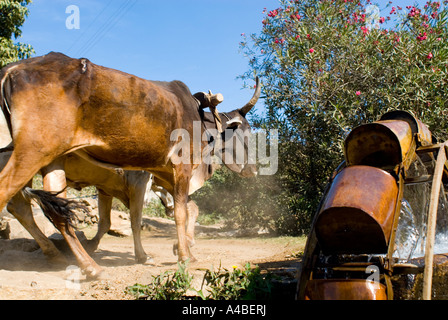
{"type": "Point", "coordinates": [411, 231]}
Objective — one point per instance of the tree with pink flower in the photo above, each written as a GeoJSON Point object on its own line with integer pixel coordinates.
{"type": "Point", "coordinates": [339, 66]}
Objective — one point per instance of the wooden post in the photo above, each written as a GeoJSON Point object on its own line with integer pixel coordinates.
{"type": "Point", "coordinates": [432, 219]}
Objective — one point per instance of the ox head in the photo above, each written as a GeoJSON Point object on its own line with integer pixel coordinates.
{"type": "Point", "coordinates": [237, 143]}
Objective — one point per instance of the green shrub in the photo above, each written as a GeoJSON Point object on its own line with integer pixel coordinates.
{"type": "Point", "coordinates": [235, 284]}
{"type": "Point", "coordinates": [166, 286]}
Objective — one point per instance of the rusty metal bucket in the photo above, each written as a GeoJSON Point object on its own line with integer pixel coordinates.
{"type": "Point", "coordinates": [418, 128]}
{"type": "Point", "coordinates": [342, 289]}
{"type": "Point", "coordinates": [357, 214]}
{"type": "Point", "coordinates": [381, 144]}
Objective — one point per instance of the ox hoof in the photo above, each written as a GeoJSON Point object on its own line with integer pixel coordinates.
{"type": "Point", "coordinates": [186, 258]}
{"type": "Point", "coordinates": [93, 273]}
{"type": "Point", "coordinates": [190, 243]}
{"type": "Point", "coordinates": [189, 259]}
{"type": "Point", "coordinates": [144, 260]}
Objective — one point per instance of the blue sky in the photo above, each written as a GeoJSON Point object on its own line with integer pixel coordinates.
{"type": "Point", "coordinates": [195, 41]}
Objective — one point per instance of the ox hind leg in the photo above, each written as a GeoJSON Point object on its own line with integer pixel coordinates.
{"type": "Point", "coordinates": [20, 208]}
{"type": "Point", "coordinates": [55, 180]}
{"type": "Point", "coordinates": [23, 164]}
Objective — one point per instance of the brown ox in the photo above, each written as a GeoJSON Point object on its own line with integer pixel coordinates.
{"type": "Point", "coordinates": [56, 105]}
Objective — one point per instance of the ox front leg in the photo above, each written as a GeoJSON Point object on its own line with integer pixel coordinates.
{"type": "Point", "coordinates": [192, 214]}
{"type": "Point", "coordinates": [136, 199]}
{"type": "Point", "coordinates": [104, 209]}
{"type": "Point", "coordinates": [182, 180]}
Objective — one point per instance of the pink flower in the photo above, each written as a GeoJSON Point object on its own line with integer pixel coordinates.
{"type": "Point", "coordinates": [281, 41]}
{"type": "Point", "coordinates": [422, 37]}
{"type": "Point", "coordinates": [382, 19]}
{"type": "Point", "coordinates": [429, 56]}
{"type": "Point", "coordinates": [311, 50]}
{"type": "Point", "coordinates": [358, 93]}
{"type": "Point", "coordinates": [414, 11]}
{"type": "Point", "coordinates": [273, 13]}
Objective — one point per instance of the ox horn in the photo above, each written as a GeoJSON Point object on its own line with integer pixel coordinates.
{"type": "Point", "coordinates": [248, 107]}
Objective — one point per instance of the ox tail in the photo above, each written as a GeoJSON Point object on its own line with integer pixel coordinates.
{"type": "Point", "coordinates": [5, 95]}
{"type": "Point", "coordinates": [59, 211]}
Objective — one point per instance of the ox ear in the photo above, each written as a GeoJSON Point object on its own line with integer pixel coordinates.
{"type": "Point", "coordinates": [235, 122]}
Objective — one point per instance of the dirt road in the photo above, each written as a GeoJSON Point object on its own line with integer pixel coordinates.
{"type": "Point", "coordinates": [28, 275]}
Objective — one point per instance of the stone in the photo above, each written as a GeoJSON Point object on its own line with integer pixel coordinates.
{"type": "Point", "coordinates": [120, 224]}
{"type": "Point", "coordinates": [11, 228]}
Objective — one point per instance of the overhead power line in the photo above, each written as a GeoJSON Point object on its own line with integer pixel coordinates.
{"type": "Point", "coordinates": [116, 16]}
{"type": "Point", "coordinates": [88, 28]}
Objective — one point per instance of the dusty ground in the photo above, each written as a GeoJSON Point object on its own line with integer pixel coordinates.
{"type": "Point", "coordinates": [27, 275]}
